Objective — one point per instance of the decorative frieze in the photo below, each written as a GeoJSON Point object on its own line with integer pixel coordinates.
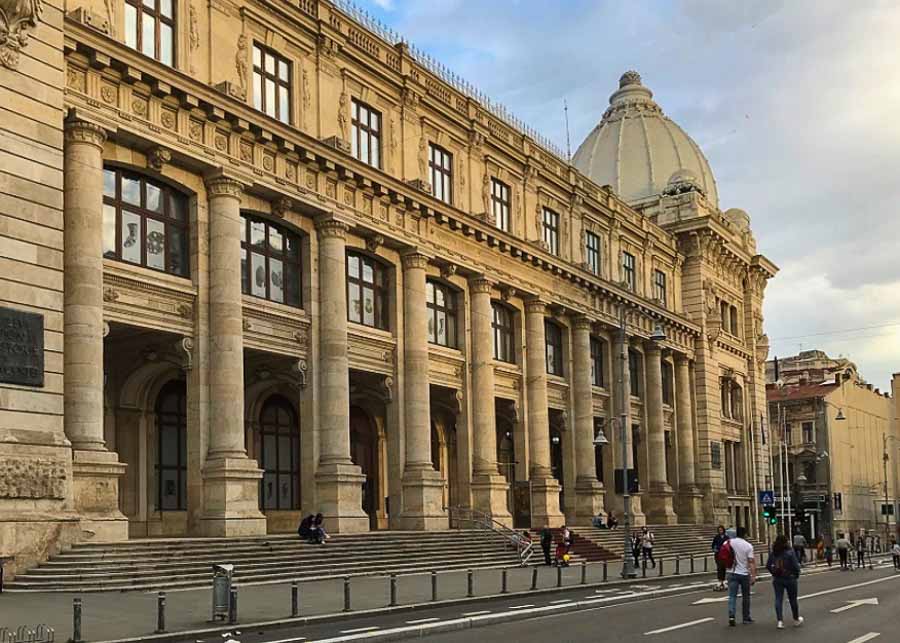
{"type": "Point", "coordinates": [32, 478]}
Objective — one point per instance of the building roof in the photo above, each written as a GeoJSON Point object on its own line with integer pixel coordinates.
{"type": "Point", "coordinates": [798, 391]}
{"type": "Point", "coordinates": [639, 151]}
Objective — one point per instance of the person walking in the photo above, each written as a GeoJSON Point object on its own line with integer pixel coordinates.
{"type": "Point", "coordinates": [895, 552]}
{"type": "Point", "coordinates": [785, 570]}
{"type": "Point", "coordinates": [829, 552]}
{"type": "Point", "coordinates": [860, 552]}
{"type": "Point", "coordinates": [800, 547]}
{"type": "Point", "coordinates": [636, 549]}
{"type": "Point", "coordinates": [546, 543]}
{"type": "Point", "coordinates": [741, 573]}
{"type": "Point", "coordinates": [843, 548]}
{"type": "Point", "coordinates": [647, 545]}
{"type": "Point", "coordinates": [719, 540]}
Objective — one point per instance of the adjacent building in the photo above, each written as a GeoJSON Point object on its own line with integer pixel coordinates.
{"type": "Point", "coordinates": [263, 259]}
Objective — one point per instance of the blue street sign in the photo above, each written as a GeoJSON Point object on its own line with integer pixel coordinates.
{"type": "Point", "coordinates": [767, 497]}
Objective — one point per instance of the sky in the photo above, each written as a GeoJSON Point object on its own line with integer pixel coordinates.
{"type": "Point", "coordinates": [796, 105]}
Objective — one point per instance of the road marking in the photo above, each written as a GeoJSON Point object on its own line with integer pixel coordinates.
{"type": "Point", "coordinates": [360, 629]}
{"type": "Point", "coordinates": [721, 599]}
{"type": "Point", "coordinates": [841, 589]}
{"type": "Point", "coordinates": [679, 627]}
{"type": "Point", "coordinates": [519, 607]}
{"type": "Point", "coordinates": [865, 637]}
{"type": "Point", "coordinates": [562, 600]}
{"type": "Point", "coordinates": [298, 638]}
{"type": "Point", "coordinates": [423, 620]}
{"type": "Point", "coordinates": [857, 603]}
{"type": "Point", "coordinates": [476, 613]}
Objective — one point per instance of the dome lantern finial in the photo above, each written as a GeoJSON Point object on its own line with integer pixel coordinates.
{"type": "Point", "coordinates": [630, 77]}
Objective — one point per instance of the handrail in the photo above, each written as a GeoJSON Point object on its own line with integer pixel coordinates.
{"type": "Point", "coordinates": [524, 548]}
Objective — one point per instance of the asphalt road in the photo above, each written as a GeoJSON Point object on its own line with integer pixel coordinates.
{"type": "Point", "coordinates": [669, 611]}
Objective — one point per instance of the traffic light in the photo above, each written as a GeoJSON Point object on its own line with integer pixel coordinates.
{"type": "Point", "coordinates": [769, 515]}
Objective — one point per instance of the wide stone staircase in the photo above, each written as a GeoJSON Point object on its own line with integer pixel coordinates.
{"type": "Point", "coordinates": [151, 564]}
{"type": "Point", "coordinates": [670, 541]}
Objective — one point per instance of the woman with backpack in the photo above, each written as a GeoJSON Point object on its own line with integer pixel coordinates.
{"type": "Point", "coordinates": [785, 570]}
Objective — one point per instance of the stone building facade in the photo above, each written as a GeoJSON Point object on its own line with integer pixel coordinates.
{"type": "Point", "coordinates": [289, 264]}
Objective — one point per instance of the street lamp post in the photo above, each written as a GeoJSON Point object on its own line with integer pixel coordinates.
{"type": "Point", "coordinates": [887, 516]}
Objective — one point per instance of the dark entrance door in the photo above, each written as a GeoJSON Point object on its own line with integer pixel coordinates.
{"type": "Point", "coordinates": [364, 452]}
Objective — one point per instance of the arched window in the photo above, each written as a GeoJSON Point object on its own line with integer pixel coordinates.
{"type": "Point", "coordinates": [171, 453]}
{"type": "Point", "coordinates": [502, 325]}
{"type": "Point", "coordinates": [366, 291]}
{"type": "Point", "coordinates": [270, 261]}
{"type": "Point", "coordinates": [145, 222]}
{"type": "Point", "coordinates": [279, 455]}
{"type": "Point", "coordinates": [441, 303]}
{"type": "Point", "coordinates": [553, 347]}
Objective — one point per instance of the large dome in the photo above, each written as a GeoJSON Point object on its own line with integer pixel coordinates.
{"type": "Point", "coordinates": [639, 151]}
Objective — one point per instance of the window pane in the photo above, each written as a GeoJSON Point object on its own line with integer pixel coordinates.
{"type": "Point", "coordinates": [109, 231]}
{"type": "Point", "coordinates": [284, 109]}
{"type": "Point", "coordinates": [270, 63]}
{"type": "Point", "coordinates": [154, 198]}
{"type": "Point", "coordinates": [368, 307]}
{"type": "Point", "coordinates": [451, 330]}
{"type": "Point", "coordinates": [177, 251]}
{"type": "Point", "coordinates": [245, 276]}
{"type": "Point", "coordinates": [441, 330]}
{"type": "Point", "coordinates": [291, 284]}
{"type": "Point", "coordinates": [165, 44]}
{"type": "Point", "coordinates": [354, 142]}
{"type": "Point", "coordinates": [270, 97]}
{"type": "Point", "coordinates": [368, 270]}
{"type": "Point", "coordinates": [177, 207]}
{"type": "Point", "coordinates": [429, 292]}
{"type": "Point", "coordinates": [376, 152]}
{"type": "Point", "coordinates": [276, 240]}
{"type": "Point", "coordinates": [257, 56]}
{"type": "Point", "coordinates": [354, 306]}
{"type": "Point", "coordinates": [257, 234]}
{"type": "Point", "coordinates": [258, 266]}
{"type": "Point", "coordinates": [276, 280]}
{"type": "Point", "coordinates": [292, 246]}
{"type": "Point", "coordinates": [353, 266]}
{"type": "Point", "coordinates": [131, 26]}
{"type": "Point", "coordinates": [165, 8]}
{"type": "Point", "coordinates": [109, 183]}
{"type": "Point", "coordinates": [156, 244]}
{"type": "Point", "coordinates": [131, 190]}
{"type": "Point", "coordinates": [364, 147]}
{"type": "Point", "coordinates": [148, 35]}
{"type": "Point", "coordinates": [257, 91]}
{"type": "Point", "coordinates": [283, 73]}
{"type": "Point", "coordinates": [375, 122]}
{"type": "Point", "coordinates": [131, 237]}
{"type": "Point", "coordinates": [431, 334]}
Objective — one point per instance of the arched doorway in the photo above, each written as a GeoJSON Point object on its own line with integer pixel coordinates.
{"type": "Point", "coordinates": [171, 452]}
{"type": "Point", "coordinates": [364, 453]}
{"type": "Point", "coordinates": [279, 455]}
{"type": "Point", "coordinates": [444, 460]}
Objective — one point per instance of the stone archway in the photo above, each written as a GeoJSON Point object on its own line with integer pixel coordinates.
{"type": "Point", "coordinates": [366, 446]}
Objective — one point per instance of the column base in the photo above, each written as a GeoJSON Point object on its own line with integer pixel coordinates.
{"type": "Point", "coordinates": [423, 501]}
{"type": "Point", "coordinates": [95, 481]}
{"type": "Point", "coordinates": [617, 503]}
{"type": "Point", "coordinates": [489, 495]}
{"type": "Point", "coordinates": [589, 500]}
{"type": "Point", "coordinates": [231, 499]}
{"type": "Point", "coordinates": [545, 504]}
{"type": "Point", "coordinates": [339, 489]}
{"type": "Point", "coordinates": [659, 505]}
{"type": "Point", "coordinates": [689, 506]}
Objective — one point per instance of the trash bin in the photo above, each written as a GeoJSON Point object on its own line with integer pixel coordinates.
{"type": "Point", "coordinates": [221, 593]}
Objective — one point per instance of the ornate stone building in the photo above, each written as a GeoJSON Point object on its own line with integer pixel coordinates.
{"type": "Point", "coordinates": [288, 263]}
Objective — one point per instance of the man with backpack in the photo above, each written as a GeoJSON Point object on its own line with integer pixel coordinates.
{"type": "Point", "coordinates": [737, 556]}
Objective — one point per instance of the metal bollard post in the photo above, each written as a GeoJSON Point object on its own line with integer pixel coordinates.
{"type": "Point", "coordinates": [76, 621]}
{"type": "Point", "coordinates": [677, 566]}
{"type": "Point", "coordinates": [433, 585]}
{"type": "Point", "coordinates": [233, 606]}
{"type": "Point", "coordinates": [706, 563]}
{"type": "Point", "coordinates": [393, 590]}
{"type": "Point", "coordinates": [692, 563]}
{"type": "Point", "coordinates": [295, 599]}
{"type": "Point", "coordinates": [584, 572]}
{"type": "Point", "coordinates": [559, 575]}
{"type": "Point", "coordinates": [605, 571]}
{"type": "Point", "coordinates": [534, 573]}
{"type": "Point", "coordinates": [470, 585]}
{"type": "Point", "coordinates": [346, 593]}
{"type": "Point", "coordinates": [644, 569]}
{"type": "Point", "coordinates": [503, 587]}
{"type": "Point", "coordinates": [661, 561]}
{"type": "Point", "coordinates": [160, 612]}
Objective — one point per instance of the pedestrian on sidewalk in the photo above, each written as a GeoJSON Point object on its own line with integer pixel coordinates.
{"type": "Point", "coordinates": [719, 540]}
{"type": "Point", "coordinates": [800, 547]}
{"type": "Point", "coordinates": [636, 549]}
{"type": "Point", "coordinates": [895, 552]}
{"type": "Point", "coordinates": [741, 573]}
{"type": "Point", "coordinates": [647, 545]}
{"type": "Point", "coordinates": [860, 552]}
{"type": "Point", "coordinates": [785, 570]}
{"type": "Point", "coordinates": [843, 548]}
{"type": "Point", "coordinates": [546, 543]}
{"type": "Point", "coordinates": [829, 552]}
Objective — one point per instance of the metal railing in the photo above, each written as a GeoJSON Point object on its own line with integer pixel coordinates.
{"type": "Point", "coordinates": [524, 547]}
{"type": "Point", "coordinates": [25, 634]}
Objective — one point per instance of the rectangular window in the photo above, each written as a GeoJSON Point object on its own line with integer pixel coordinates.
{"type": "Point", "coordinates": [628, 270]}
{"type": "Point", "coordinates": [667, 383]}
{"type": "Point", "coordinates": [365, 139]}
{"type": "Point", "coordinates": [271, 83]}
{"type": "Point", "coordinates": [366, 292]}
{"type": "Point", "coordinates": [788, 434]}
{"type": "Point", "coordinates": [551, 230]}
{"type": "Point", "coordinates": [441, 303]}
{"type": "Point", "coordinates": [715, 455]}
{"type": "Point", "coordinates": [500, 204]}
{"type": "Point", "coordinates": [659, 286]}
{"type": "Point", "coordinates": [723, 313]}
{"type": "Point", "coordinates": [808, 433]}
{"type": "Point", "coordinates": [553, 341]}
{"type": "Point", "coordinates": [634, 372]}
{"type": "Point", "coordinates": [733, 321]}
{"type": "Point", "coordinates": [592, 252]}
{"type": "Point", "coordinates": [502, 326]}
{"type": "Point", "coordinates": [150, 28]}
{"type": "Point", "coordinates": [597, 360]}
{"type": "Point", "coordinates": [440, 164]}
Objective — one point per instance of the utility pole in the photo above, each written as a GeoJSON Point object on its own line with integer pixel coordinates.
{"type": "Point", "coordinates": [887, 515]}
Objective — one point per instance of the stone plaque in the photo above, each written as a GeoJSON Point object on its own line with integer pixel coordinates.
{"type": "Point", "coordinates": [21, 347]}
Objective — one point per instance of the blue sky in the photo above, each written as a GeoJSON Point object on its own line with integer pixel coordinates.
{"type": "Point", "coordinates": [794, 102]}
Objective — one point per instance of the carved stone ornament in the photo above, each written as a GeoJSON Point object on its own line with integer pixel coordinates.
{"type": "Point", "coordinates": [158, 157]}
{"type": "Point", "coordinates": [299, 370]}
{"type": "Point", "coordinates": [224, 186]}
{"type": "Point", "coordinates": [32, 478]}
{"type": "Point", "coordinates": [184, 348]}
{"type": "Point", "coordinates": [17, 17]}
{"type": "Point", "coordinates": [302, 339]}
{"type": "Point", "coordinates": [387, 387]}
{"type": "Point", "coordinates": [185, 310]}
{"type": "Point", "coordinates": [167, 118]}
{"type": "Point", "coordinates": [246, 325]}
{"type": "Point", "coordinates": [374, 242]}
{"type": "Point", "coordinates": [448, 270]}
{"type": "Point", "coordinates": [109, 94]}
{"type": "Point", "coordinates": [281, 206]}
{"type": "Point", "coordinates": [83, 132]}
{"type": "Point", "coordinates": [507, 293]}
{"type": "Point", "coordinates": [240, 63]}
{"type": "Point", "coordinates": [343, 114]}
{"type": "Point", "coordinates": [110, 295]}
{"type": "Point", "coordinates": [194, 40]}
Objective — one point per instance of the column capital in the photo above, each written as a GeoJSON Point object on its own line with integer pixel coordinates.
{"type": "Point", "coordinates": [651, 346]}
{"type": "Point", "coordinates": [331, 228]}
{"type": "Point", "coordinates": [414, 259]}
{"type": "Point", "coordinates": [222, 185]}
{"type": "Point", "coordinates": [480, 284]}
{"type": "Point", "coordinates": [681, 359]}
{"type": "Point", "coordinates": [582, 322]}
{"type": "Point", "coordinates": [536, 305]}
{"type": "Point", "coordinates": [79, 131]}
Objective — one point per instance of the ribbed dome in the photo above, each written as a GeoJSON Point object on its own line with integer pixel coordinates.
{"type": "Point", "coordinates": [639, 151]}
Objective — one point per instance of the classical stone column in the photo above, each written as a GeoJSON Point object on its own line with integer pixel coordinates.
{"type": "Point", "coordinates": [95, 470]}
{"type": "Point", "coordinates": [338, 481]}
{"type": "Point", "coordinates": [658, 503]}
{"type": "Point", "coordinates": [588, 490]}
{"type": "Point", "coordinates": [422, 485]}
{"type": "Point", "coordinates": [689, 497]}
{"type": "Point", "coordinates": [230, 478]}
{"type": "Point", "coordinates": [623, 428]}
{"type": "Point", "coordinates": [544, 487]}
{"type": "Point", "coordinates": [489, 488]}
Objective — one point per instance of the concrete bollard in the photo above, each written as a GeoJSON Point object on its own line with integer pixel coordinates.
{"type": "Point", "coordinates": [295, 598]}
{"type": "Point", "coordinates": [559, 575]}
{"type": "Point", "coordinates": [161, 613]}
{"type": "Point", "coordinates": [433, 585]}
{"type": "Point", "coordinates": [76, 621]}
{"type": "Point", "coordinates": [534, 573]}
{"type": "Point", "coordinates": [692, 563]}
{"type": "Point", "coordinates": [233, 606]}
{"type": "Point", "coordinates": [346, 593]}
{"type": "Point", "coordinates": [470, 584]}
{"type": "Point", "coordinates": [503, 586]}
{"type": "Point", "coordinates": [677, 566]}
{"type": "Point", "coordinates": [706, 563]}
{"type": "Point", "coordinates": [584, 572]}
{"type": "Point", "coordinates": [605, 571]}
{"type": "Point", "coordinates": [644, 569]}
{"type": "Point", "coordinates": [393, 590]}
{"type": "Point", "coordinates": [660, 566]}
